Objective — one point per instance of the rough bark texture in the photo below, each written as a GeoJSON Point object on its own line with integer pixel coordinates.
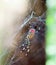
{"type": "Point", "coordinates": [36, 56]}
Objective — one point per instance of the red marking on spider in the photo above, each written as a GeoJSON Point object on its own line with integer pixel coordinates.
{"type": "Point", "coordinates": [32, 30]}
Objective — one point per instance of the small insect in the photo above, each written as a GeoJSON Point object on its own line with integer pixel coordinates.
{"type": "Point", "coordinates": [31, 33]}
